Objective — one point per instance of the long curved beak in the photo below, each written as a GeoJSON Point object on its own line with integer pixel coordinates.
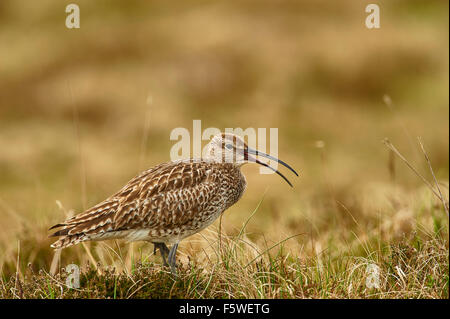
{"type": "Point", "coordinates": [248, 151]}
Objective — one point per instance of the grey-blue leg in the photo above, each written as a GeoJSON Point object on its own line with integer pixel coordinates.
{"type": "Point", "coordinates": [172, 259]}
{"type": "Point", "coordinates": [164, 251]}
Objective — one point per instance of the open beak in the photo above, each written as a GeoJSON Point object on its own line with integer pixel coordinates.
{"type": "Point", "coordinates": [248, 151]}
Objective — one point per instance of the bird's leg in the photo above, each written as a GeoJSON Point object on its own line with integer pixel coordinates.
{"type": "Point", "coordinates": [164, 251]}
{"type": "Point", "coordinates": [172, 259]}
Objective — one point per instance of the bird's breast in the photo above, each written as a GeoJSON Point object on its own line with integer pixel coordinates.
{"type": "Point", "coordinates": [233, 186]}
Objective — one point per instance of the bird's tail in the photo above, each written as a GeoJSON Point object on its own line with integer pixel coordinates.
{"type": "Point", "coordinates": [69, 240]}
{"type": "Point", "coordinates": [89, 225]}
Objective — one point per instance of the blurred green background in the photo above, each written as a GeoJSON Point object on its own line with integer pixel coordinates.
{"type": "Point", "coordinates": [84, 110]}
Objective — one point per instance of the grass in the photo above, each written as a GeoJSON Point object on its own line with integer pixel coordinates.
{"type": "Point", "coordinates": [415, 268]}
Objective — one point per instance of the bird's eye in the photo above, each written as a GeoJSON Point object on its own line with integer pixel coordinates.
{"type": "Point", "coordinates": [229, 146]}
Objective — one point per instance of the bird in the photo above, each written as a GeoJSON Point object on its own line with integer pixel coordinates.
{"type": "Point", "coordinates": [170, 201]}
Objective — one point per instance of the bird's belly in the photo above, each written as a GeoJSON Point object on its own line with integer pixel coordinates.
{"type": "Point", "coordinates": [169, 234]}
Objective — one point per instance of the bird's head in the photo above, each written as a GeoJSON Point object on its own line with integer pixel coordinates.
{"type": "Point", "coordinates": [230, 148]}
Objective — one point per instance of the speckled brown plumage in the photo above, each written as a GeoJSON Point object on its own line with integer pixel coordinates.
{"type": "Point", "coordinates": [168, 202]}
{"type": "Point", "coordinates": [165, 204]}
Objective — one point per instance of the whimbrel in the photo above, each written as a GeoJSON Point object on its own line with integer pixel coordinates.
{"type": "Point", "coordinates": [169, 202]}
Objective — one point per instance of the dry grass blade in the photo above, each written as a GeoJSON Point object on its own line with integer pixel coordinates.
{"type": "Point", "coordinates": [396, 151]}
{"type": "Point", "coordinates": [252, 214]}
{"type": "Point", "coordinates": [18, 285]}
{"type": "Point", "coordinates": [271, 247]}
{"type": "Point", "coordinates": [55, 262]}
{"type": "Point", "coordinates": [441, 196]}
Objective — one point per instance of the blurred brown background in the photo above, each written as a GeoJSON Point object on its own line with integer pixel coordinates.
{"type": "Point", "coordinates": [82, 111]}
